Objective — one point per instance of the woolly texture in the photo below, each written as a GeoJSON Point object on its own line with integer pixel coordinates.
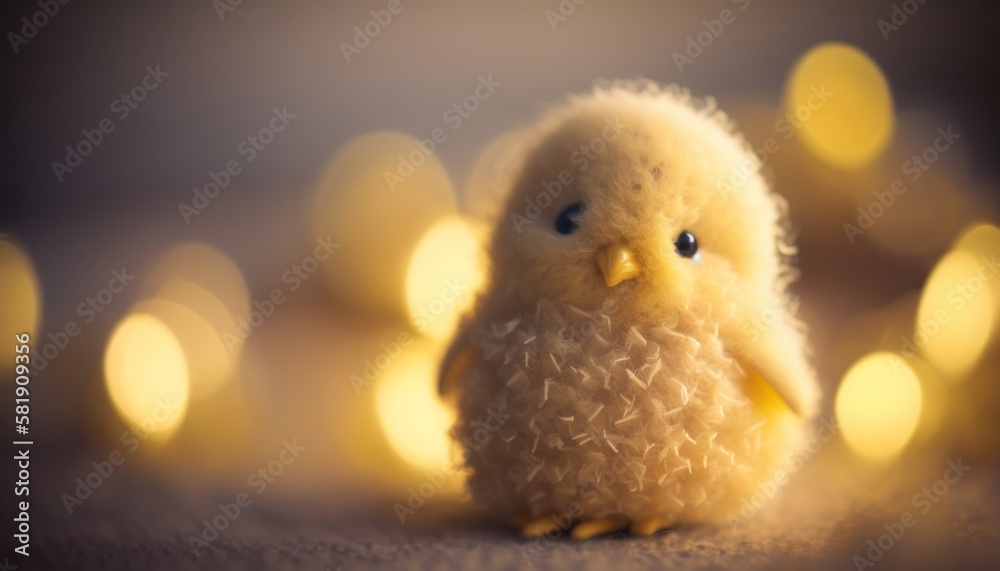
{"type": "Point", "coordinates": [638, 399]}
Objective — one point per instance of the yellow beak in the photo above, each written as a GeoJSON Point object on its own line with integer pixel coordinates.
{"type": "Point", "coordinates": [617, 263]}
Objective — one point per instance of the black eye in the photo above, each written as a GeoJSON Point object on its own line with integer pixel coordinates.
{"type": "Point", "coordinates": [566, 223]}
{"type": "Point", "coordinates": [686, 244]}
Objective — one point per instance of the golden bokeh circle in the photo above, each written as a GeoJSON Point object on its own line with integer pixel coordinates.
{"type": "Point", "coordinates": [842, 105]}
{"type": "Point", "coordinates": [878, 405]}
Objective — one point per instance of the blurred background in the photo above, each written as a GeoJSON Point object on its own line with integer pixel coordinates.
{"type": "Point", "coordinates": [240, 235]}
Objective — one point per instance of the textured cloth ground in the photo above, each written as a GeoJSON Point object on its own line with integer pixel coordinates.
{"type": "Point", "coordinates": [817, 524]}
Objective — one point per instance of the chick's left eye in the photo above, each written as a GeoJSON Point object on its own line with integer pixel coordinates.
{"type": "Point", "coordinates": [566, 222]}
{"type": "Point", "coordinates": [686, 244]}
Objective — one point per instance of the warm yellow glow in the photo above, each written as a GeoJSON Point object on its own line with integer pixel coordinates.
{"type": "Point", "coordinates": [983, 242]}
{"type": "Point", "coordinates": [412, 416]}
{"type": "Point", "coordinates": [378, 196]}
{"type": "Point", "coordinates": [935, 401]}
{"type": "Point", "coordinates": [20, 299]}
{"type": "Point", "coordinates": [852, 126]}
{"type": "Point", "coordinates": [146, 374]}
{"type": "Point", "coordinates": [205, 303]}
{"type": "Point", "coordinates": [483, 195]}
{"type": "Point", "coordinates": [781, 421]}
{"type": "Point", "coordinates": [206, 266]}
{"type": "Point", "coordinates": [199, 292]}
{"type": "Point", "coordinates": [956, 314]}
{"type": "Point", "coordinates": [444, 275]}
{"type": "Point", "coordinates": [210, 364]}
{"type": "Point", "coordinates": [980, 239]}
{"type": "Point", "coordinates": [878, 405]}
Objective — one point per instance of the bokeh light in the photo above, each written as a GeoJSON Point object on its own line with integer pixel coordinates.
{"type": "Point", "coordinates": [206, 266]}
{"type": "Point", "coordinates": [146, 375]}
{"type": "Point", "coordinates": [444, 275]}
{"type": "Point", "coordinates": [290, 127]}
{"type": "Point", "coordinates": [198, 292]}
{"type": "Point", "coordinates": [210, 364]}
{"type": "Point", "coordinates": [199, 299]}
{"type": "Point", "coordinates": [983, 242]}
{"type": "Point", "coordinates": [955, 316]}
{"type": "Point", "coordinates": [842, 101]}
{"type": "Point", "coordinates": [878, 406]}
{"type": "Point", "coordinates": [413, 417]}
{"type": "Point", "coordinates": [20, 296]}
{"type": "Point", "coordinates": [935, 400]}
{"type": "Point", "coordinates": [981, 239]}
{"type": "Point", "coordinates": [379, 194]}
{"type": "Point", "coordinates": [483, 196]}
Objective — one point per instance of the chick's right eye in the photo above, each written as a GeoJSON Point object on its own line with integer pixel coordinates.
{"type": "Point", "coordinates": [686, 244]}
{"type": "Point", "coordinates": [566, 222]}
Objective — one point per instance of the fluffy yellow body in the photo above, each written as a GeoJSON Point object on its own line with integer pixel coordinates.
{"type": "Point", "coordinates": [635, 356]}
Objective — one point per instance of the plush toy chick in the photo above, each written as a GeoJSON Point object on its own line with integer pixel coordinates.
{"type": "Point", "coordinates": [635, 361]}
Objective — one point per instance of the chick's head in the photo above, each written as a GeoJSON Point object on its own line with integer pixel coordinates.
{"type": "Point", "coordinates": [641, 196]}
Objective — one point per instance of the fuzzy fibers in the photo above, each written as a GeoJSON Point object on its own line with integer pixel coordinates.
{"type": "Point", "coordinates": [641, 399]}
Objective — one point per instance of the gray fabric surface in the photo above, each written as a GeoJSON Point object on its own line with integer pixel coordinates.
{"type": "Point", "coordinates": [818, 522]}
